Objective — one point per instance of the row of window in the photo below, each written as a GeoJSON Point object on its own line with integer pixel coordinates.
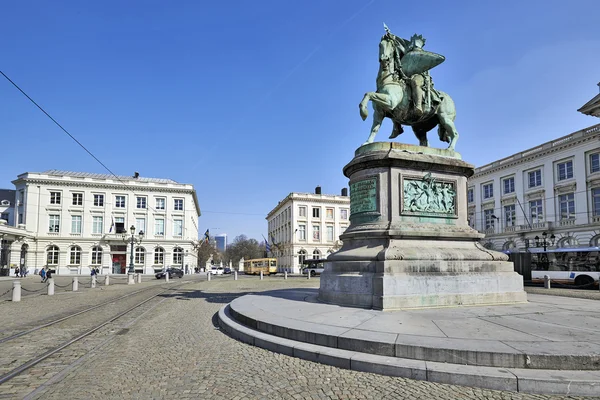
{"type": "Point", "coordinates": [564, 171]}
{"type": "Point", "coordinates": [566, 209]}
{"type": "Point", "coordinates": [316, 232]}
{"type": "Point", "coordinates": [99, 228]}
{"type": "Point", "coordinates": [316, 212]}
{"type": "Point", "coordinates": [98, 201]}
{"type": "Point", "coordinates": [139, 255]}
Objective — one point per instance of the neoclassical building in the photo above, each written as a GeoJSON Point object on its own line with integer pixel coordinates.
{"type": "Point", "coordinates": [552, 188]}
{"type": "Point", "coordinates": [307, 225]}
{"type": "Point", "coordinates": [73, 221]}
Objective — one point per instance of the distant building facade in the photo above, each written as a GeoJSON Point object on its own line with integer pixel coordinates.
{"type": "Point", "coordinates": [552, 188]}
{"type": "Point", "coordinates": [72, 222]}
{"type": "Point", "coordinates": [221, 241]}
{"type": "Point", "coordinates": [307, 225]}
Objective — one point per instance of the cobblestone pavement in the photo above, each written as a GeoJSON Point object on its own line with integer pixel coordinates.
{"type": "Point", "coordinates": [176, 351]}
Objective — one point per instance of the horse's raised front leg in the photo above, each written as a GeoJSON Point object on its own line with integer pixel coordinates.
{"type": "Point", "coordinates": [377, 119]}
{"type": "Point", "coordinates": [382, 100]}
{"type": "Point", "coordinates": [362, 106]}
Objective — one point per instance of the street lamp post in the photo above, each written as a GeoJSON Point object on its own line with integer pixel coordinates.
{"type": "Point", "coordinates": [544, 243]}
{"type": "Point", "coordinates": [133, 241]}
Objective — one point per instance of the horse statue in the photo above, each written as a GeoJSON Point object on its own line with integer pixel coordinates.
{"type": "Point", "coordinates": [393, 99]}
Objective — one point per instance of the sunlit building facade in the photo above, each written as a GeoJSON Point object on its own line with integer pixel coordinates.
{"type": "Point", "coordinates": [307, 225]}
{"type": "Point", "coordinates": [71, 222]}
{"type": "Point", "coordinates": [553, 188]}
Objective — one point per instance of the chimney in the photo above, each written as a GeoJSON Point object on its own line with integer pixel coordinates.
{"type": "Point", "coordinates": [136, 175]}
{"type": "Point", "coordinates": [318, 190]}
{"type": "Point", "coordinates": [345, 192]}
{"type": "Point", "coordinates": [599, 86]}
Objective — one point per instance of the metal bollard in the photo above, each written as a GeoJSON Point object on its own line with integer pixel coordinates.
{"type": "Point", "coordinates": [167, 277]}
{"type": "Point", "coordinates": [93, 284]}
{"type": "Point", "coordinates": [51, 287]}
{"type": "Point", "coordinates": [308, 274]}
{"type": "Point", "coordinates": [75, 284]}
{"type": "Point", "coordinates": [106, 280]}
{"type": "Point", "coordinates": [16, 294]}
{"type": "Point", "coordinates": [546, 282]}
{"type": "Point", "coordinates": [139, 276]}
{"type": "Point", "coordinates": [285, 274]}
{"type": "Point", "coordinates": [208, 274]}
{"type": "Point", "coordinates": [235, 275]}
{"type": "Point", "coordinates": [130, 280]}
{"type": "Point", "coordinates": [261, 275]}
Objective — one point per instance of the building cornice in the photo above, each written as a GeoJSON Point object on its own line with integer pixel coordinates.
{"type": "Point", "coordinates": [309, 197]}
{"type": "Point", "coordinates": [163, 188]}
{"type": "Point", "coordinates": [565, 142]}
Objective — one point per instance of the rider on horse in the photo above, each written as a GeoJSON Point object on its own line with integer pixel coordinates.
{"type": "Point", "coordinates": [419, 82]}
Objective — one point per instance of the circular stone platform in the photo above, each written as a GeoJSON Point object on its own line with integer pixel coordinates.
{"type": "Point", "coordinates": [549, 345]}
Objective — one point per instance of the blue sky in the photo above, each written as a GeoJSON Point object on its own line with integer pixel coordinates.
{"type": "Point", "coordinates": [250, 101]}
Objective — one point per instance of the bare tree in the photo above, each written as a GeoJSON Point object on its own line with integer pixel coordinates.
{"type": "Point", "coordinates": [242, 247]}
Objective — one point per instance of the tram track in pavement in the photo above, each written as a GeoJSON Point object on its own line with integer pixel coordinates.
{"type": "Point", "coordinates": [55, 321]}
{"type": "Point", "coordinates": [60, 336]}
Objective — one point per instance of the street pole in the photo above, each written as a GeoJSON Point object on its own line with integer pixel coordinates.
{"type": "Point", "coordinates": [131, 269]}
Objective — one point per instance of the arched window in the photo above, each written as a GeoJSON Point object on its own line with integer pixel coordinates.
{"type": "Point", "coordinates": [509, 245]}
{"type": "Point", "coordinates": [301, 256]}
{"type": "Point", "coordinates": [177, 256]}
{"type": "Point", "coordinates": [97, 255]}
{"type": "Point", "coordinates": [75, 258]}
{"type": "Point", "coordinates": [595, 241]}
{"type": "Point", "coordinates": [140, 255]}
{"type": "Point", "coordinates": [52, 255]}
{"type": "Point", "coordinates": [568, 241]}
{"type": "Point", "coordinates": [316, 254]}
{"type": "Point", "coordinates": [159, 256]}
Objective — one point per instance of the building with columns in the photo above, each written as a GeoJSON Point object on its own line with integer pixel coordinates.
{"type": "Point", "coordinates": [73, 221]}
{"type": "Point", "coordinates": [552, 188]}
{"type": "Point", "coordinates": [307, 225]}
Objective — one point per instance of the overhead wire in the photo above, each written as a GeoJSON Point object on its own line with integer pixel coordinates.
{"type": "Point", "coordinates": [125, 185]}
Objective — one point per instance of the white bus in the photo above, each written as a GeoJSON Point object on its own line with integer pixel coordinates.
{"type": "Point", "coordinates": [573, 266]}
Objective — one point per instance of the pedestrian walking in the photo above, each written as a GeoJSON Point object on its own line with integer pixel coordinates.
{"type": "Point", "coordinates": [43, 274]}
{"type": "Point", "coordinates": [16, 272]}
{"type": "Point", "coordinates": [93, 273]}
{"type": "Point", "coordinates": [22, 272]}
{"type": "Point", "coordinates": [48, 275]}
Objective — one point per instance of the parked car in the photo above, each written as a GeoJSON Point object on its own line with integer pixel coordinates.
{"type": "Point", "coordinates": [226, 270]}
{"type": "Point", "coordinates": [315, 267]}
{"type": "Point", "coordinates": [217, 270]}
{"type": "Point", "coordinates": [173, 272]}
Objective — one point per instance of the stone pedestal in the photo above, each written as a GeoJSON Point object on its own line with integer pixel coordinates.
{"type": "Point", "coordinates": [409, 244]}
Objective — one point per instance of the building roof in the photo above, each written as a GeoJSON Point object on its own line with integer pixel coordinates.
{"type": "Point", "coordinates": [310, 197]}
{"type": "Point", "coordinates": [592, 107]}
{"type": "Point", "coordinates": [125, 180]}
{"type": "Point", "coordinates": [550, 146]}
{"type": "Point", "coordinates": [56, 172]}
{"type": "Point", "coordinates": [7, 194]}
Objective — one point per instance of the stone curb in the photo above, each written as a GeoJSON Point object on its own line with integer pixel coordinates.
{"type": "Point", "coordinates": [484, 353]}
{"type": "Point", "coordinates": [576, 383]}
